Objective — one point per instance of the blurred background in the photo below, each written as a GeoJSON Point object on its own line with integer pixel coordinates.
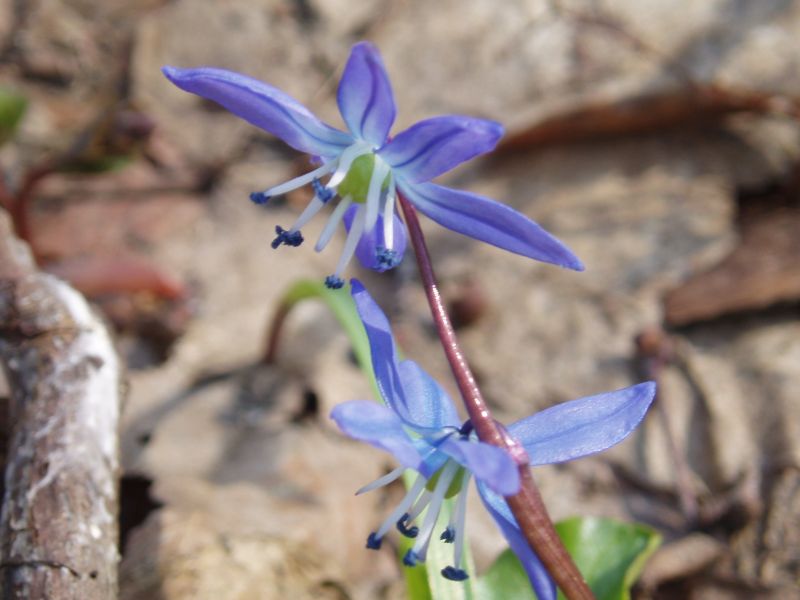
{"type": "Point", "coordinates": [659, 140]}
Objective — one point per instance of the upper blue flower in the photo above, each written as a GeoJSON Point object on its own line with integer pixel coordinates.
{"type": "Point", "coordinates": [367, 169]}
{"type": "Point", "coordinates": [420, 426]}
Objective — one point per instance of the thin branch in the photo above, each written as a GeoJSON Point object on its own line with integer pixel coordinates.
{"type": "Point", "coordinates": [58, 530]}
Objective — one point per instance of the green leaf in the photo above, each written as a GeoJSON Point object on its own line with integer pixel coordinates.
{"type": "Point", "coordinates": [12, 109]}
{"type": "Point", "coordinates": [343, 308]}
{"type": "Point", "coordinates": [609, 554]}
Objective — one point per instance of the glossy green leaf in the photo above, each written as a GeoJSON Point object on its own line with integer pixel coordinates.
{"type": "Point", "coordinates": [12, 109]}
{"type": "Point", "coordinates": [609, 554]}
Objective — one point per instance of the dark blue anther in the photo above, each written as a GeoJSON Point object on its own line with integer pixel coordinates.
{"type": "Point", "coordinates": [332, 282]}
{"type": "Point", "coordinates": [289, 238]}
{"type": "Point", "coordinates": [448, 535]}
{"type": "Point", "coordinates": [322, 192]}
{"type": "Point", "coordinates": [402, 527]}
{"type": "Point", "coordinates": [410, 559]}
{"type": "Point", "coordinates": [387, 259]}
{"type": "Point", "coordinates": [259, 198]}
{"type": "Point", "coordinates": [454, 574]}
{"type": "Point", "coordinates": [466, 428]}
{"type": "Point", "coordinates": [373, 542]}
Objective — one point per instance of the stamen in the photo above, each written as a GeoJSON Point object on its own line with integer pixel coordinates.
{"type": "Point", "coordinates": [374, 543]}
{"type": "Point", "coordinates": [333, 222]}
{"type": "Point", "coordinates": [401, 508]}
{"type": "Point", "coordinates": [259, 198]}
{"type": "Point", "coordinates": [402, 526]}
{"type": "Point", "coordinates": [332, 282]}
{"type": "Point", "coordinates": [346, 159]}
{"type": "Point", "coordinates": [353, 237]}
{"type": "Point", "coordinates": [419, 505]}
{"type": "Point", "coordinates": [289, 238]}
{"type": "Point", "coordinates": [381, 481]}
{"type": "Point", "coordinates": [295, 183]}
{"type": "Point", "coordinates": [322, 192]}
{"type": "Point", "coordinates": [388, 216]}
{"type": "Point", "coordinates": [454, 574]}
{"type": "Point", "coordinates": [379, 172]}
{"type": "Point", "coordinates": [420, 549]}
{"type": "Point", "coordinates": [386, 259]}
{"type": "Point", "coordinates": [455, 534]}
{"type": "Point", "coordinates": [310, 210]}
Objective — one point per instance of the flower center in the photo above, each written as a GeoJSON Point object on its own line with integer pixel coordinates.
{"type": "Point", "coordinates": [356, 183]}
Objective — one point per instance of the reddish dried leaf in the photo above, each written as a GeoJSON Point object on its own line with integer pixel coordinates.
{"type": "Point", "coordinates": [762, 271]}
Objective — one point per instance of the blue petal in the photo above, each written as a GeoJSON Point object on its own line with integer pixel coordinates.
{"type": "Point", "coordinates": [416, 412]}
{"type": "Point", "coordinates": [540, 580]}
{"type": "Point", "coordinates": [489, 221]}
{"type": "Point", "coordinates": [365, 95]}
{"type": "Point", "coordinates": [429, 404]}
{"type": "Point", "coordinates": [581, 427]}
{"type": "Point", "coordinates": [434, 146]}
{"type": "Point", "coordinates": [490, 464]}
{"type": "Point", "coordinates": [377, 425]}
{"type": "Point", "coordinates": [264, 106]}
{"type": "Point", "coordinates": [370, 242]}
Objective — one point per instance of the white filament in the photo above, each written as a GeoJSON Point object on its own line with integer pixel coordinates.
{"type": "Point", "coordinates": [297, 182]}
{"type": "Point", "coordinates": [388, 217]}
{"type": "Point", "coordinates": [420, 548]}
{"type": "Point", "coordinates": [401, 508]}
{"type": "Point", "coordinates": [379, 172]}
{"type": "Point", "coordinates": [381, 481]}
{"type": "Point", "coordinates": [350, 244]}
{"type": "Point", "coordinates": [458, 521]}
{"type": "Point", "coordinates": [312, 209]}
{"type": "Point", "coordinates": [333, 223]}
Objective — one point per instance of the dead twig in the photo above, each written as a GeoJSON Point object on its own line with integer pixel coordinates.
{"type": "Point", "coordinates": [58, 536]}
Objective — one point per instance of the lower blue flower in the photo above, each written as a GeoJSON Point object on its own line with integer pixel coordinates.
{"type": "Point", "coordinates": [419, 425]}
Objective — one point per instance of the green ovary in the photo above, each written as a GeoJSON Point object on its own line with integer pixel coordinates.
{"type": "Point", "coordinates": [455, 485]}
{"type": "Point", "coordinates": [356, 182]}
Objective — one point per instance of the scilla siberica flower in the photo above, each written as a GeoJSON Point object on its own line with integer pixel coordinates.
{"type": "Point", "coordinates": [419, 425]}
{"type": "Point", "coordinates": [366, 169]}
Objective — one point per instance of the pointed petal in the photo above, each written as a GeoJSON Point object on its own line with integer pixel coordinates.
{"type": "Point", "coordinates": [367, 249]}
{"type": "Point", "coordinates": [542, 584]}
{"type": "Point", "coordinates": [382, 350]}
{"type": "Point", "coordinates": [264, 106]}
{"type": "Point", "coordinates": [392, 377]}
{"type": "Point", "coordinates": [365, 95]}
{"type": "Point", "coordinates": [582, 427]}
{"type": "Point", "coordinates": [379, 426]}
{"type": "Point", "coordinates": [434, 146]}
{"type": "Point", "coordinates": [489, 221]}
{"type": "Point", "coordinates": [429, 404]}
{"type": "Point", "coordinates": [489, 464]}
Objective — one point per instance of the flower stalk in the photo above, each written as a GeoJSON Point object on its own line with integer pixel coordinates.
{"type": "Point", "coordinates": [527, 505]}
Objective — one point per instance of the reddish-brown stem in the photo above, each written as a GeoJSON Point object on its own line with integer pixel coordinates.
{"type": "Point", "coordinates": [275, 331]}
{"type": "Point", "coordinates": [19, 205]}
{"type": "Point", "coordinates": [527, 505]}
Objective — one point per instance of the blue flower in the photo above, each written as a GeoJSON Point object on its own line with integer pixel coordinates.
{"type": "Point", "coordinates": [366, 170]}
{"type": "Point", "coordinates": [419, 425]}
